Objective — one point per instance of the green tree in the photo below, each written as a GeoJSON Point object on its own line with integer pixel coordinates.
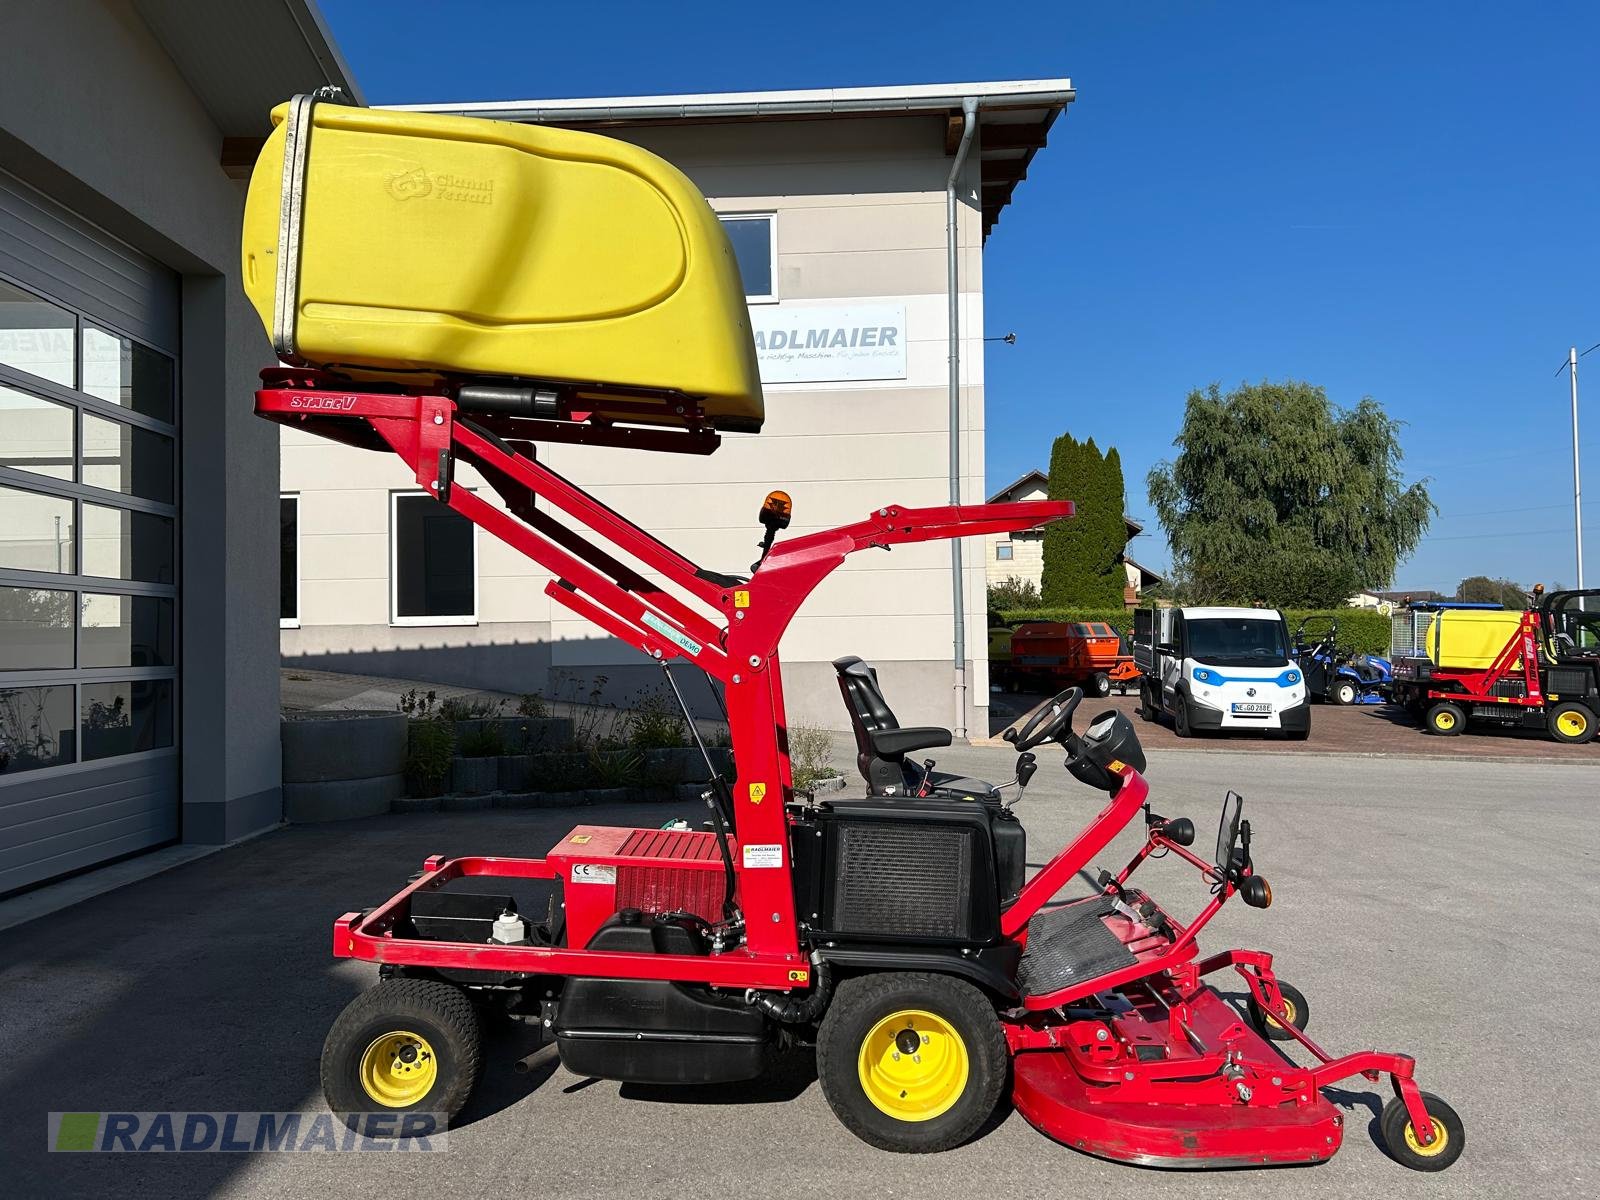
{"type": "Point", "coordinates": [1480, 589]}
{"type": "Point", "coordinates": [1083, 555]}
{"type": "Point", "coordinates": [1277, 495]}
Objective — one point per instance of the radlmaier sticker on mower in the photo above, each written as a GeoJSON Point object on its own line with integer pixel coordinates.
{"type": "Point", "coordinates": [763, 855]}
{"type": "Point", "coordinates": [674, 635]}
{"type": "Point", "coordinates": [593, 873]}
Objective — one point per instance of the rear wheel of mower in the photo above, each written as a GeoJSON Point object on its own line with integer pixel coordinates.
{"type": "Point", "coordinates": [407, 1045]}
{"type": "Point", "coordinates": [1295, 1007]}
{"type": "Point", "coordinates": [1099, 684]}
{"type": "Point", "coordinates": [1571, 723]}
{"type": "Point", "coordinates": [911, 1062]}
{"type": "Point", "coordinates": [1400, 1140]}
{"type": "Point", "coordinates": [1445, 719]}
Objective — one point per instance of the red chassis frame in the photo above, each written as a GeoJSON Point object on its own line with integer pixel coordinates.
{"type": "Point", "coordinates": [738, 646]}
{"type": "Point", "coordinates": [1518, 658]}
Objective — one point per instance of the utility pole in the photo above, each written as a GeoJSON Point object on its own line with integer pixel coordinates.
{"type": "Point", "coordinates": [1577, 484]}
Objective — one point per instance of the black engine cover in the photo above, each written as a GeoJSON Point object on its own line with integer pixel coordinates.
{"type": "Point", "coordinates": [905, 870]}
{"type": "Point", "coordinates": [652, 1031]}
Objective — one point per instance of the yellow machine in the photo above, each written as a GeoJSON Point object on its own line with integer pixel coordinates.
{"type": "Point", "coordinates": [1468, 639]}
{"type": "Point", "coordinates": [412, 244]}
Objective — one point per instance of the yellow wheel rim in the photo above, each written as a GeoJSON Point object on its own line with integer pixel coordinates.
{"type": "Point", "coordinates": [1288, 1011]}
{"type": "Point", "coordinates": [1572, 724]}
{"type": "Point", "coordinates": [1444, 720]}
{"type": "Point", "coordinates": [913, 1065]}
{"type": "Point", "coordinates": [398, 1069]}
{"type": "Point", "coordinates": [1441, 1139]}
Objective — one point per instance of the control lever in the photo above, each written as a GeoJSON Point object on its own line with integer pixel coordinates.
{"type": "Point", "coordinates": [927, 776]}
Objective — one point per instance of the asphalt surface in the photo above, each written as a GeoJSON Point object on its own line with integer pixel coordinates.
{"type": "Point", "coordinates": [1439, 908]}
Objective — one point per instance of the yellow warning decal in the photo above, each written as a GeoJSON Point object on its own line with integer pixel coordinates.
{"type": "Point", "coordinates": [758, 793]}
{"type": "Point", "coordinates": [741, 599]}
{"type": "Point", "coordinates": [797, 976]}
{"type": "Point", "coordinates": [1116, 764]}
{"type": "Point", "coordinates": [579, 839]}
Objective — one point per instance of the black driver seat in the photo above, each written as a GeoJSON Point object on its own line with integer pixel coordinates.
{"type": "Point", "coordinates": [881, 744]}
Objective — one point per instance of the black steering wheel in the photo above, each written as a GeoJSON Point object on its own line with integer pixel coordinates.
{"type": "Point", "coordinates": [1046, 723]}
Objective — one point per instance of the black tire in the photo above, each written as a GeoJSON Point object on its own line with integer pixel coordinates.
{"type": "Point", "coordinates": [1395, 1124]}
{"type": "Point", "coordinates": [863, 1011]}
{"type": "Point", "coordinates": [1298, 735]}
{"type": "Point", "coordinates": [1571, 722]}
{"type": "Point", "coordinates": [1345, 691]}
{"type": "Point", "coordinates": [438, 1014]}
{"type": "Point", "coordinates": [1099, 684]}
{"type": "Point", "coordinates": [1299, 1014]}
{"type": "Point", "coordinates": [1445, 719]}
{"type": "Point", "coordinates": [1180, 717]}
{"type": "Point", "coordinates": [1147, 709]}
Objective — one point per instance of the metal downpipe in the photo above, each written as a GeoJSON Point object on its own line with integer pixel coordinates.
{"type": "Point", "coordinates": [969, 125]}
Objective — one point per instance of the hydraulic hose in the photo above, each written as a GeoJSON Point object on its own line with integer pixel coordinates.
{"type": "Point", "coordinates": [792, 1010]}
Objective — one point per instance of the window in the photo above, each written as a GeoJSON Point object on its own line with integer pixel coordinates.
{"type": "Point", "coordinates": [433, 563]}
{"type": "Point", "coordinates": [755, 248]}
{"type": "Point", "coordinates": [1002, 551]}
{"type": "Point", "coordinates": [289, 562]}
{"type": "Point", "coordinates": [88, 539]}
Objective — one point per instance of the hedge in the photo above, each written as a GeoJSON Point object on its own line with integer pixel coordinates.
{"type": "Point", "coordinates": [1363, 630]}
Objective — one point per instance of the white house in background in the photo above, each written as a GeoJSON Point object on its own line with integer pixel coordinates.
{"type": "Point", "coordinates": [1020, 555]}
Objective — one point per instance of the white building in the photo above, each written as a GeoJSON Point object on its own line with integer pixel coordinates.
{"type": "Point", "coordinates": [1020, 556]}
{"type": "Point", "coordinates": [835, 201]}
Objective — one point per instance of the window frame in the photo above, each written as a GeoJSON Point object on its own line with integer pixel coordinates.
{"type": "Point", "coordinates": [395, 619]}
{"type": "Point", "coordinates": [1009, 552]}
{"type": "Point", "coordinates": [771, 218]}
{"type": "Point", "coordinates": [294, 621]}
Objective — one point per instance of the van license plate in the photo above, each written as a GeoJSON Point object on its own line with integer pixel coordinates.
{"type": "Point", "coordinates": [1252, 708]}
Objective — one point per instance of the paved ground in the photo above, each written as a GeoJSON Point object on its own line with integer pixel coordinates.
{"type": "Point", "coordinates": [1440, 908]}
{"type": "Point", "coordinates": [1385, 729]}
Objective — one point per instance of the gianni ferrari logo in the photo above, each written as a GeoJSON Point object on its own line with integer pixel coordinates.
{"type": "Point", "coordinates": [314, 403]}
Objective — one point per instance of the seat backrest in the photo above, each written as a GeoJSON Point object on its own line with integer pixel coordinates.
{"type": "Point", "coordinates": [869, 711]}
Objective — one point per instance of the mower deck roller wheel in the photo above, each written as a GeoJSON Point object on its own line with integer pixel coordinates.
{"type": "Point", "coordinates": [407, 1045]}
{"type": "Point", "coordinates": [1445, 719]}
{"type": "Point", "coordinates": [1572, 723]}
{"type": "Point", "coordinates": [911, 1062]}
{"type": "Point", "coordinates": [1296, 1008]}
{"type": "Point", "coordinates": [1401, 1141]}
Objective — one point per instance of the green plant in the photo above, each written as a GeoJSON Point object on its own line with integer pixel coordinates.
{"type": "Point", "coordinates": [616, 768]}
{"type": "Point", "coordinates": [1014, 593]}
{"type": "Point", "coordinates": [419, 706]}
{"type": "Point", "coordinates": [531, 704]}
{"type": "Point", "coordinates": [595, 722]}
{"type": "Point", "coordinates": [1278, 495]}
{"type": "Point", "coordinates": [1083, 555]}
{"type": "Point", "coordinates": [430, 745]}
{"type": "Point", "coordinates": [655, 722]}
{"type": "Point", "coordinates": [809, 753]}
{"type": "Point", "coordinates": [484, 741]}
{"type": "Point", "coordinates": [461, 708]}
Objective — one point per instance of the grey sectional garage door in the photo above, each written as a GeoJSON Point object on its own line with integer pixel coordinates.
{"type": "Point", "coordinates": [88, 544]}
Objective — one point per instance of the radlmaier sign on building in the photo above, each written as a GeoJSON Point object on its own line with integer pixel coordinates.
{"type": "Point", "coordinates": [802, 344]}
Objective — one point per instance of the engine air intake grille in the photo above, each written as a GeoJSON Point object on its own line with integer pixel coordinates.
{"type": "Point", "coordinates": [903, 880]}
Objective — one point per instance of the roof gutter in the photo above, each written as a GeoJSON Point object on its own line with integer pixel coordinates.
{"type": "Point", "coordinates": [969, 126]}
{"type": "Point", "coordinates": [706, 109]}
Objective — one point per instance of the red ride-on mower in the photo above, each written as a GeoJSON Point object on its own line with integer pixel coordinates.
{"type": "Point", "coordinates": [894, 931]}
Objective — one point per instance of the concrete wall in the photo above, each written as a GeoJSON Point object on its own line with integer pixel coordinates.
{"type": "Point", "coordinates": [860, 215]}
{"type": "Point", "coordinates": [94, 113]}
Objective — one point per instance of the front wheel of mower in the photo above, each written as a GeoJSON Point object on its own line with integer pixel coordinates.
{"type": "Point", "coordinates": [1295, 1007]}
{"type": "Point", "coordinates": [1346, 692]}
{"type": "Point", "coordinates": [1445, 719]}
{"type": "Point", "coordinates": [406, 1045]}
{"type": "Point", "coordinates": [1571, 723]}
{"type": "Point", "coordinates": [1400, 1140]}
{"type": "Point", "coordinates": [911, 1062]}
{"type": "Point", "coordinates": [1099, 684]}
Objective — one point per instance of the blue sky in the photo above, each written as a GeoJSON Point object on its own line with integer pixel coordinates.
{"type": "Point", "coordinates": [1395, 200]}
